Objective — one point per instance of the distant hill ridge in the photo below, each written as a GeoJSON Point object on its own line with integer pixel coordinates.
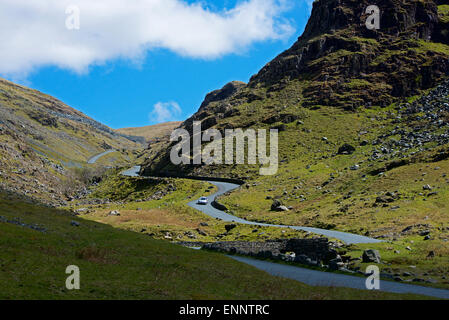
{"type": "Point", "coordinates": [149, 133]}
{"type": "Point", "coordinates": [58, 109]}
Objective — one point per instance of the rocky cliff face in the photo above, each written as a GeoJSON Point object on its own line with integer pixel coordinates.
{"type": "Point", "coordinates": [337, 62]}
{"type": "Point", "coordinates": [216, 105]}
{"type": "Point", "coordinates": [348, 65]}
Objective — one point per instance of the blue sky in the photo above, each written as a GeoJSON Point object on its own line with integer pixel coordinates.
{"type": "Point", "coordinates": [122, 92]}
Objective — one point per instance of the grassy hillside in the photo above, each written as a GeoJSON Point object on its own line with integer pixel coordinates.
{"type": "Point", "coordinates": [363, 148]}
{"type": "Point", "coordinates": [44, 142]}
{"type": "Point", "coordinates": [393, 187]}
{"type": "Point", "coordinates": [384, 94]}
{"type": "Point", "coordinates": [117, 264]}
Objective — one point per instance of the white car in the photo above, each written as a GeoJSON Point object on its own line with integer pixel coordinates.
{"type": "Point", "coordinates": [203, 200]}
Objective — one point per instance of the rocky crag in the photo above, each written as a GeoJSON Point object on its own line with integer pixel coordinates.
{"type": "Point", "coordinates": [337, 62]}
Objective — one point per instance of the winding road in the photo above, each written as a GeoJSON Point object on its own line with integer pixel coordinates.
{"type": "Point", "coordinates": [94, 159]}
{"type": "Point", "coordinates": [307, 276]}
{"type": "Point", "coordinates": [224, 187]}
{"type": "Point", "coordinates": [330, 279]}
{"type": "Point", "coordinates": [133, 172]}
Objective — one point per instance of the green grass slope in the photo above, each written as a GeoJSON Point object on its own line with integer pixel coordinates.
{"type": "Point", "coordinates": [117, 264]}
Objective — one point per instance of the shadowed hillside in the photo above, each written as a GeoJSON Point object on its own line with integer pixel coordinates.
{"type": "Point", "coordinates": [43, 141]}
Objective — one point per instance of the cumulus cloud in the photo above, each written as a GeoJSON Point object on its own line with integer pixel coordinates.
{"type": "Point", "coordinates": [34, 34]}
{"type": "Point", "coordinates": [165, 111]}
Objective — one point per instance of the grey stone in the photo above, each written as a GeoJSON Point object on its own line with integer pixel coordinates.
{"type": "Point", "coordinates": [371, 256]}
{"type": "Point", "coordinates": [346, 149]}
{"type": "Point", "coordinates": [230, 227]}
{"type": "Point", "coordinates": [201, 232]}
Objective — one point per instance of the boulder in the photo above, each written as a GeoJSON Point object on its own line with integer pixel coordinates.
{"type": "Point", "coordinates": [190, 235]}
{"type": "Point", "coordinates": [424, 233]}
{"type": "Point", "coordinates": [201, 232]}
{"type": "Point", "coordinates": [288, 118]}
{"type": "Point", "coordinates": [272, 119]}
{"type": "Point", "coordinates": [280, 127]}
{"type": "Point", "coordinates": [371, 256]}
{"type": "Point", "coordinates": [275, 205]}
{"type": "Point", "coordinates": [278, 206]}
{"type": "Point", "coordinates": [346, 149]}
{"type": "Point", "coordinates": [384, 199]}
{"type": "Point", "coordinates": [363, 143]}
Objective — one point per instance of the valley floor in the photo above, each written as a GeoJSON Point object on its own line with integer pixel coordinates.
{"type": "Point", "coordinates": [170, 219]}
{"type": "Point", "coordinates": [38, 243]}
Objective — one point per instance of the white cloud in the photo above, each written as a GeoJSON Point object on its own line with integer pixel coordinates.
{"type": "Point", "coordinates": [165, 111]}
{"type": "Point", "coordinates": [33, 33]}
